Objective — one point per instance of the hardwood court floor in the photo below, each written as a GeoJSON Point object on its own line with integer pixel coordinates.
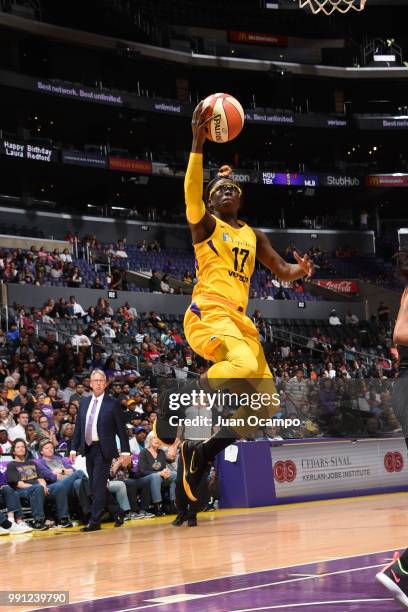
{"type": "Point", "coordinates": [149, 554]}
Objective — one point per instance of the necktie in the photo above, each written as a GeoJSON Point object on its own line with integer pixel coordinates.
{"type": "Point", "coordinates": [89, 425]}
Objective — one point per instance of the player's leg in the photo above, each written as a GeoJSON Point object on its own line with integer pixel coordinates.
{"type": "Point", "coordinates": [216, 337]}
{"type": "Point", "coordinates": [394, 576]}
{"type": "Point", "coordinates": [197, 456]}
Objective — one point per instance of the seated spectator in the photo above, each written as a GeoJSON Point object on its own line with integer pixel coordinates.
{"type": "Point", "coordinates": [19, 431]}
{"type": "Point", "coordinates": [33, 441]}
{"type": "Point", "coordinates": [351, 318]}
{"type": "Point", "coordinates": [164, 285]}
{"type": "Point", "coordinates": [24, 398]}
{"type": "Point", "coordinates": [296, 394]}
{"type": "Point", "coordinates": [383, 313]}
{"type": "Point", "coordinates": [116, 279]}
{"type": "Point", "coordinates": [328, 398]}
{"type": "Point", "coordinates": [155, 246]}
{"type": "Point", "coordinates": [187, 278]}
{"type": "Point", "coordinates": [5, 442]}
{"type": "Point", "coordinates": [6, 419]}
{"type": "Point", "coordinates": [65, 439]}
{"type": "Point", "coordinates": [74, 278]}
{"type": "Point", "coordinates": [26, 479]}
{"type": "Point", "coordinates": [120, 251]}
{"type": "Point", "coordinates": [60, 477]}
{"type": "Point", "coordinates": [46, 431]}
{"type": "Point", "coordinates": [127, 490]}
{"type": "Point", "coordinates": [154, 282]}
{"type": "Point", "coordinates": [56, 271]}
{"type": "Point", "coordinates": [10, 383]}
{"type": "Point", "coordinates": [74, 309]}
{"type": "Point", "coordinates": [130, 311]}
{"type": "Point", "coordinates": [137, 437]}
{"type": "Point", "coordinates": [80, 392]}
{"type": "Point", "coordinates": [66, 256]}
{"type": "Point", "coordinates": [69, 390]}
{"type": "Point", "coordinates": [329, 371]}
{"type": "Point", "coordinates": [98, 284]}
{"type": "Point", "coordinates": [72, 411]}
{"type": "Point", "coordinates": [152, 468]}
{"type": "Point", "coordinates": [80, 339]}
{"type": "Point", "coordinates": [334, 318]}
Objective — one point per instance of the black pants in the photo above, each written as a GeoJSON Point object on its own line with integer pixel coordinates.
{"type": "Point", "coordinates": [85, 500]}
{"type": "Point", "coordinates": [133, 487]}
{"type": "Point", "coordinates": [98, 472]}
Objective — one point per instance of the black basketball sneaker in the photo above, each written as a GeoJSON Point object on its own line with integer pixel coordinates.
{"type": "Point", "coordinates": [395, 579]}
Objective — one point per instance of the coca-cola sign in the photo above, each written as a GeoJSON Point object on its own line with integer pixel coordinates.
{"type": "Point", "coordinates": [341, 286]}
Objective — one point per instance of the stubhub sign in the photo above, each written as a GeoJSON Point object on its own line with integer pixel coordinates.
{"type": "Point", "coordinates": [340, 180]}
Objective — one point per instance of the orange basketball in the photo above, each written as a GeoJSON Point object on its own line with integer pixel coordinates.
{"type": "Point", "coordinates": [228, 117]}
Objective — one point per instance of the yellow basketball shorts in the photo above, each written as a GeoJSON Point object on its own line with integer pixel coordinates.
{"type": "Point", "coordinates": [207, 324]}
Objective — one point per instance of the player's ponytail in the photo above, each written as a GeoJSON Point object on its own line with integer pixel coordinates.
{"type": "Point", "coordinates": [224, 172]}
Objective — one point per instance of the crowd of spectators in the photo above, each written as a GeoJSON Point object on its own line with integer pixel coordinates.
{"type": "Point", "coordinates": [338, 382]}
{"type": "Point", "coordinates": [47, 356]}
{"type": "Point", "coordinates": [32, 267]}
{"type": "Point", "coordinates": [96, 265]}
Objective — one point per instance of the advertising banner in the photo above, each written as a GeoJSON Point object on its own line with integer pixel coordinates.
{"type": "Point", "coordinates": [82, 158]}
{"type": "Point", "coordinates": [341, 286]}
{"type": "Point", "coordinates": [340, 180]}
{"type": "Point", "coordinates": [381, 123]}
{"type": "Point", "coordinates": [138, 166]}
{"type": "Point", "coordinates": [167, 107]}
{"type": "Point", "coordinates": [24, 150]}
{"type": "Point", "coordinates": [239, 176]}
{"type": "Point", "coordinates": [269, 117]}
{"type": "Point", "coordinates": [387, 180]}
{"type": "Point", "coordinates": [315, 468]}
{"type": "Point", "coordinates": [88, 94]}
{"type": "Point", "coordinates": [257, 38]}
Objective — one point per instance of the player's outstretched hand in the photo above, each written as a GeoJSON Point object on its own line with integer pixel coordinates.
{"type": "Point", "coordinates": [305, 263]}
{"type": "Point", "coordinates": [199, 124]}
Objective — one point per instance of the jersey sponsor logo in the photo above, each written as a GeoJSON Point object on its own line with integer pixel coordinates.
{"type": "Point", "coordinates": [241, 277]}
{"type": "Point", "coordinates": [226, 237]}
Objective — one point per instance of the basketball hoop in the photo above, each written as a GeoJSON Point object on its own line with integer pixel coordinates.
{"type": "Point", "coordinates": [330, 6]}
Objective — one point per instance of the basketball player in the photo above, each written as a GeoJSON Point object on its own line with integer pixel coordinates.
{"type": "Point", "coordinates": [395, 575]}
{"type": "Point", "coordinates": [215, 325]}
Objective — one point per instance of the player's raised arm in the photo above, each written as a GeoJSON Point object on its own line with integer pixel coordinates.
{"type": "Point", "coordinates": [401, 326]}
{"type": "Point", "coordinates": [273, 261]}
{"type": "Point", "coordinates": [201, 222]}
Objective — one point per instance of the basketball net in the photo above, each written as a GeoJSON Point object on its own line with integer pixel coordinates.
{"type": "Point", "coordinates": [330, 6]}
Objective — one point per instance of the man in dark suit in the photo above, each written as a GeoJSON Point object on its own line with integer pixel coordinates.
{"type": "Point", "coordinates": [99, 421]}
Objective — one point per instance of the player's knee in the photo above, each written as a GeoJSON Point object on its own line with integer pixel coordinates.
{"type": "Point", "coordinates": [245, 364]}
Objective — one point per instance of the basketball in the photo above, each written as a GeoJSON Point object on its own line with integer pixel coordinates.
{"type": "Point", "coordinates": [228, 117]}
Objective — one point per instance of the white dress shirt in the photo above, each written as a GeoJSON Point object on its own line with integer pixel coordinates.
{"type": "Point", "coordinates": [95, 437]}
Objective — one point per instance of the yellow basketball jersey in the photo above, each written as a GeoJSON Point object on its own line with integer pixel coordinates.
{"type": "Point", "coordinates": [225, 263]}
